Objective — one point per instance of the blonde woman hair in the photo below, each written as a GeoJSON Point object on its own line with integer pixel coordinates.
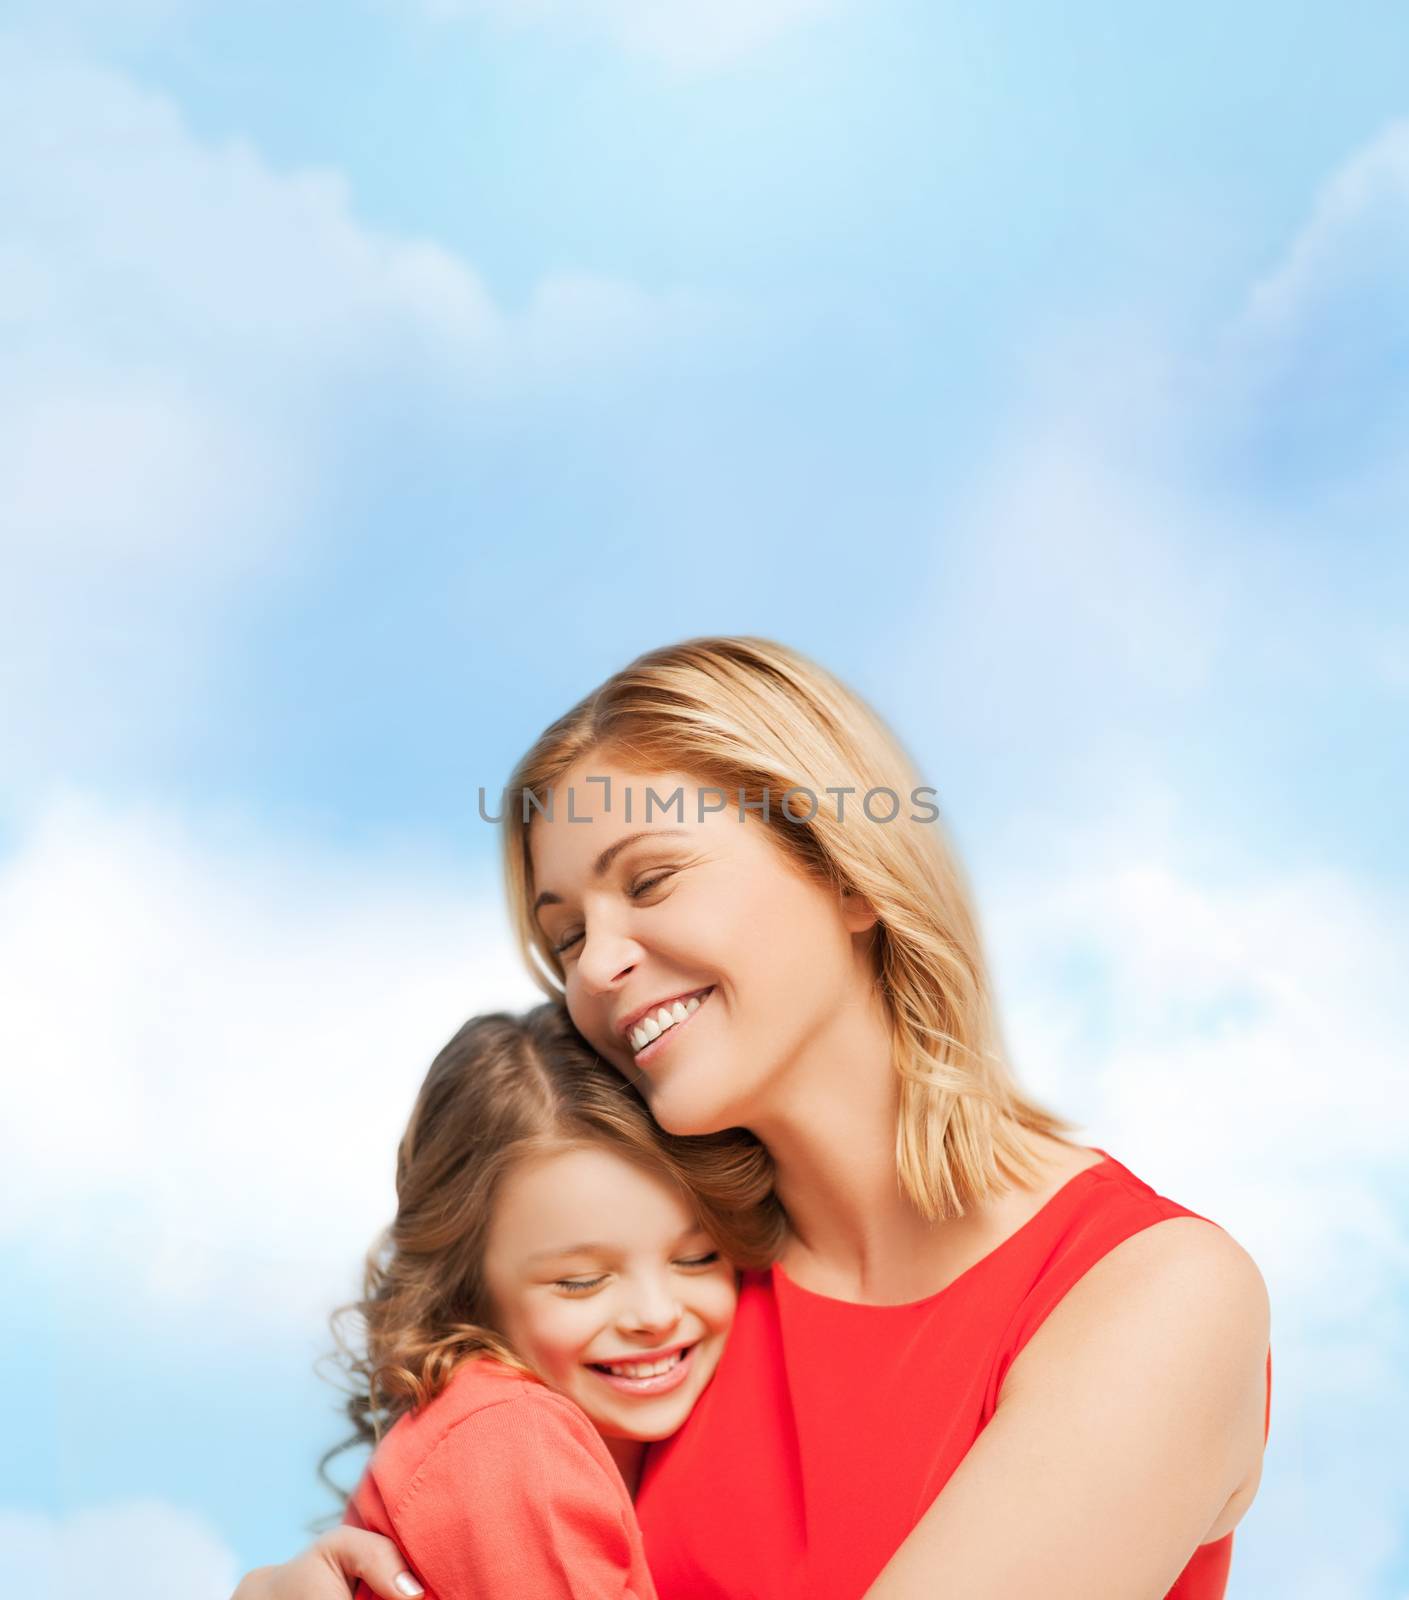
{"type": "Point", "coordinates": [504, 1090]}
{"type": "Point", "coordinates": [747, 715]}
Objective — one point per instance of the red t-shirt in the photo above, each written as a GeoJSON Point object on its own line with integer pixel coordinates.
{"type": "Point", "coordinates": [830, 1427]}
{"type": "Point", "coordinates": [501, 1489]}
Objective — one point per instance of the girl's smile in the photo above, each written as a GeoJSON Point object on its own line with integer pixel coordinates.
{"type": "Point", "coordinates": [648, 1374]}
{"type": "Point", "coordinates": [604, 1282]}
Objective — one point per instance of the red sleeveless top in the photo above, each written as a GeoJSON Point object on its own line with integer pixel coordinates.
{"type": "Point", "coordinates": [802, 1469]}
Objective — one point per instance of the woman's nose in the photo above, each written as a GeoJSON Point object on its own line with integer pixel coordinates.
{"type": "Point", "coordinates": [604, 960]}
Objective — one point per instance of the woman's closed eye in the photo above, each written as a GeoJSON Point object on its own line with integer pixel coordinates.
{"type": "Point", "coordinates": [707, 1258]}
{"type": "Point", "coordinates": [643, 886]}
{"type": "Point", "coordinates": [646, 884]}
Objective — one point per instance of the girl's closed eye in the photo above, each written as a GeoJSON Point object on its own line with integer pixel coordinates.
{"type": "Point", "coordinates": [706, 1259]}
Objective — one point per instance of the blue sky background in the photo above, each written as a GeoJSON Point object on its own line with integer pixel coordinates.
{"type": "Point", "coordinates": [374, 379]}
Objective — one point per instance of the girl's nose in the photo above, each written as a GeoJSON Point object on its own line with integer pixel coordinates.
{"type": "Point", "coordinates": [650, 1307]}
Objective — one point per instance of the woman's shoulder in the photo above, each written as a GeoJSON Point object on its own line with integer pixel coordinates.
{"type": "Point", "coordinates": [1102, 1204]}
{"type": "Point", "coordinates": [1123, 1242]}
{"type": "Point", "coordinates": [1120, 1254]}
{"type": "Point", "coordinates": [1165, 1247]}
{"type": "Point", "coordinates": [1155, 1294]}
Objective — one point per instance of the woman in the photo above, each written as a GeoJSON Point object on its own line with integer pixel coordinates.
{"type": "Point", "coordinates": [989, 1362]}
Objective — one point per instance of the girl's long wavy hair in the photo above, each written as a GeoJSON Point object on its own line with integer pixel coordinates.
{"type": "Point", "coordinates": [748, 716]}
{"type": "Point", "coordinates": [503, 1090]}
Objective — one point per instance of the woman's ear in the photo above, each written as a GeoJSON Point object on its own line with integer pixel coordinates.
{"type": "Point", "coordinates": [857, 912]}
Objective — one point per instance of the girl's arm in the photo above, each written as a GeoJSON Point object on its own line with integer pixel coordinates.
{"type": "Point", "coordinates": [1129, 1427]}
{"type": "Point", "coordinates": [517, 1499]}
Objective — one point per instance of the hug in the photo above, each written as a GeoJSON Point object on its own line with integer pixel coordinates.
{"type": "Point", "coordinates": [743, 1266]}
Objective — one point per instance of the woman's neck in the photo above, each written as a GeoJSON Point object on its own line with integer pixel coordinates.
{"type": "Point", "coordinates": [853, 1233]}
{"type": "Point", "coordinates": [831, 1130]}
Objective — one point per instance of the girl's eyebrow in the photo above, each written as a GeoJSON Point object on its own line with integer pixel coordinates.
{"type": "Point", "coordinates": [603, 861]}
{"type": "Point", "coordinates": [592, 1248]}
{"type": "Point", "coordinates": [571, 1250]}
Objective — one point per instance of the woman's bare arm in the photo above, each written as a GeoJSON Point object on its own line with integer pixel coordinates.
{"type": "Point", "coordinates": [331, 1570]}
{"type": "Point", "coordinates": [1127, 1430]}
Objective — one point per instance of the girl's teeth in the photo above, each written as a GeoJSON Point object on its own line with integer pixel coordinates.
{"type": "Point", "coordinates": [643, 1369]}
{"type": "Point", "coordinates": [652, 1027]}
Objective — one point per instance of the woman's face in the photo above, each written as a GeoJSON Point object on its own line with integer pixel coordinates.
{"type": "Point", "coordinates": [756, 966]}
{"type": "Point", "coordinates": [602, 1279]}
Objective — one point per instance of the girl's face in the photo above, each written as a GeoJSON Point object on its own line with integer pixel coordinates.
{"type": "Point", "coordinates": [766, 965]}
{"type": "Point", "coordinates": [602, 1279]}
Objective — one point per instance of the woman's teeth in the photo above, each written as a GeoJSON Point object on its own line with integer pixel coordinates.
{"type": "Point", "coordinates": [642, 1369]}
{"type": "Point", "coordinates": [652, 1026]}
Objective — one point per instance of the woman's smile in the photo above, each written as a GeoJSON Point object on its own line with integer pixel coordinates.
{"type": "Point", "coordinates": [647, 1037]}
{"type": "Point", "coordinates": [636, 918]}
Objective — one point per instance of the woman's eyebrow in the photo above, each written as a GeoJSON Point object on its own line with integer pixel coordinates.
{"type": "Point", "coordinates": [603, 861]}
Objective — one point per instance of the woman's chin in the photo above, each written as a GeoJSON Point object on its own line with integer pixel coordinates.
{"type": "Point", "coordinates": [687, 1115]}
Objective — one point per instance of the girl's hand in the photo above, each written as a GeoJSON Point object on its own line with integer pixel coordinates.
{"type": "Point", "coordinates": [331, 1569]}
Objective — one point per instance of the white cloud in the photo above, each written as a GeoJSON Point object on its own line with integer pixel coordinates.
{"type": "Point", "coordinates": [184, 306]}
{"type": "Point", "coordinates": [1070, 547]}
{"type": "Point", "coordinates": [1245, 1037]}
{"type": "Point", "coordinates": [1312, 374]}
{"type": "Point", "coordinates": [1240, 1045]}
{"type": "Point", "coordinates": [1145, 551]}
{"type": "Point", "coordinates": [1358, 231]}
{"type": "Point", "coordinates": [194, 279]}
{"type": "Point", "coordinates": [1117, 603]}
{"type": "Point", "coordinates": [127, 1550]}
{"type": "Point", "coordinates": [681, 33]}
{"type": "Point", "coordinates": [1231, 1026]}
{"type": "Point", "coordinates": [97, 462]}
{"type": "Point", "coordinates": [133, 236]}
{"type": "Point", "coordinates": [212, 1047]}
{"type": "Point", "coordinates": [219, 1042]}
{"type": "Point", "coordinates": [189, 342]}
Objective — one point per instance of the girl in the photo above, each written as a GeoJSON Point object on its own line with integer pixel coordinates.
{"type": "Point", "coordinates": [550, 1296]}
{"type": "Point", "coordinates": [989, 1361]}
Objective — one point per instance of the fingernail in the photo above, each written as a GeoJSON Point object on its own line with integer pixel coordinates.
{"type": "Point", "coordinates": [404, 1583]}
